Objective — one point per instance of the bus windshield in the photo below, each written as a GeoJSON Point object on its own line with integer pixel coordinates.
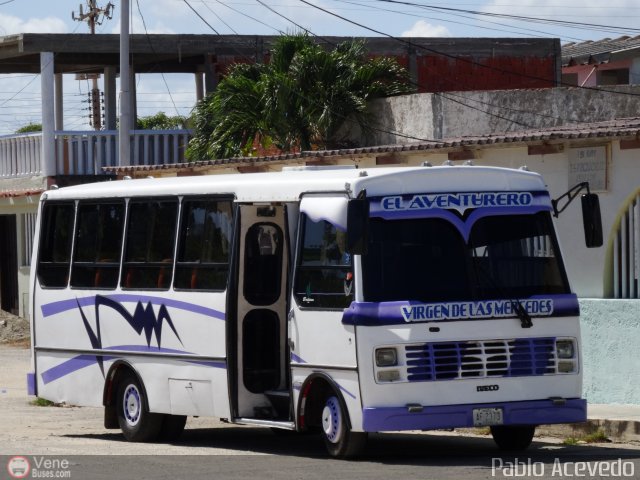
{"type": "Point", "coordinates": [428, 260]}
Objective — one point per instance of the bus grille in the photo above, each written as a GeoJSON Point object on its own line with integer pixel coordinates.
{"type": "Point", "coordinates": [481, 359]}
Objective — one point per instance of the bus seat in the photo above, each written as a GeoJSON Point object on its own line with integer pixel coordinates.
{"type": "Point", "coordinates": [130, 277]}
{"type": "Point", "coordinates": [164, 273]}
{"type": "Point", "coordinates": [101, 273]}
{"type": "Point", "coordinates": [97, 279]}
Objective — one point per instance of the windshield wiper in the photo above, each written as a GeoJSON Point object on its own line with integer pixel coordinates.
{"type": "Point", "coordinates": [523, 315]}
{"type": "Point", "coordinates": [516, 304]}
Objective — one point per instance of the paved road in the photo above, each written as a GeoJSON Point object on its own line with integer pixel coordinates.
{"type": "Point", "coordinates": [263, 455]}
{"type": "Point", "coordinates": [209, 449]}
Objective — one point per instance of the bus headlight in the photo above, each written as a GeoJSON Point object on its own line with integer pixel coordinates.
{"type": "Point", "coordinates": [386, 357]}
{"type": "Point", "coordinates": [565, 348]}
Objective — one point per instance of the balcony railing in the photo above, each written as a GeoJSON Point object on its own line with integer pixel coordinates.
{"type": "Point", "coordinates": [20, 155]}
{"type": "Point", "coordinates": [85, 153]}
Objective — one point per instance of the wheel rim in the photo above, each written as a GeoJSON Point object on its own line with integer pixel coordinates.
{"type": "Point", "coordinates": [132, 405]}
{"type": "Point", "coordinates": [332, 420]}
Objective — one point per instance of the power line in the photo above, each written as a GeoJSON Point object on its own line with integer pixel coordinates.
{"type": "Point", "coordinates": [219, 18]}
{"type": "Point", "coordinates": [286, 18]}
{"type": "Point", "coordinates": [564, 23]}
{"type": "Point", "coordinates": [201, 17]}
{"type": "Point", "coordinates": [248, 16]}
{"type": "Point", "coordinates": [448, 96]}
{"type": "Point", "coordinates": [418, 85]}
{"type": "Point", "coordinates": [19, 91]}
{"type": "Point", "coordinates": [520, 29]}
{"type": "Point", "coordinates": [244, 44]}
{"type": "Point", "coordinates": [339, 115]}
{"type": "Point", "coordinates": [144, 24]}
{"type": "Point", "coordinates": [463, 59]}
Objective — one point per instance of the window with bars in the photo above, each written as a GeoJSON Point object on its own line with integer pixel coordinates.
{"type": "Point", "coordinates": [28, 233]}
{"type": "Point", "coordinates": [626, 251]}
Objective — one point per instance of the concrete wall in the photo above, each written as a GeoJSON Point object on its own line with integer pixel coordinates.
{"type": "Point", "coordinates": [610, 339]}
{"type": "Point", "coordinates": [446, 115]}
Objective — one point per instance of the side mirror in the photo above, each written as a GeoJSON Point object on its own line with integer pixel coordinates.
{"type": "Point", "coordinates": [357, 226]}
{"type": "Point", "coordinates": [592, 220]}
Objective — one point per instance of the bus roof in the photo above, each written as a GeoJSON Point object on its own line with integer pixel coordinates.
{"type": "Point", "coordinates": [289, 185]}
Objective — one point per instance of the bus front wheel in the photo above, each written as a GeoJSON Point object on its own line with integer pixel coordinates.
{"type": "Point", "coordinates": [135, 420]}
{"type": "Point", "coordinates": [339, 440]}
{"type": "Point", "coordinates": [509, 437]}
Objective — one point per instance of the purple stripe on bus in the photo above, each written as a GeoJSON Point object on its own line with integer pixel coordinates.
{"type": "Point", "coordinates": [296, 358]}
{"type": "Point", "coordinates": [144, 348]}
{"type": "Point", "coordinates": [69, 366]}
{"type": "Point", "coordinates": [207, 363]}
{"type": "Point", "coordinates": [86, 360]}
{"type": "Point", "coordinates": [31, 384]}
{"type": "Point", "coordinates": [534, 412]}
{"type": "Point", "coordinates": [346, 391]}
{"type": "Point", "coordinates": [463, 226]}
{"type": "Point", "coordinates": [61, 306]}
{"type": "Point", "coordinates": [390, 313]}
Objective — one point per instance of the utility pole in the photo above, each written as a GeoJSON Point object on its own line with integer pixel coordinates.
{"type": "Point", "coordinates": [124, 140]}
{"type": "Point", "coordinates": [94, 16]}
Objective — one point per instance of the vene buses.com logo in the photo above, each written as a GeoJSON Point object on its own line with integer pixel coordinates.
{"type": "Point", "coordinates": [18, 467]}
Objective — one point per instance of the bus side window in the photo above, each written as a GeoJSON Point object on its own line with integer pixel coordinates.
{"type": "Point", "coordinates": [205, 244]}
{"type": "Point", "coordinates": [324, 277]}
{"type": "Point", "coordinates": [150, 240]}
{"type": "Point", "coordinates": [98, 242]}
{"type": "Point", "coordinates": [56, 232]}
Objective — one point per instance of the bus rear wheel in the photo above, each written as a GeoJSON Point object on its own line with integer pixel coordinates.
{"type": "Point", "coordinates": [509, 437]}
{"type": "Point", "coordinates": [135, 420]}
{"type": "Point", "coordinates": [338, 438]}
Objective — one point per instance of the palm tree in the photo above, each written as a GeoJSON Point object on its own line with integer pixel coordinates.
{"type": "Point", "coordinates": [298, 101]}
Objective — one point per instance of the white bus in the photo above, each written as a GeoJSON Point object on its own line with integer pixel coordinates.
{"type": "Point", "coordinates": [340, 300]}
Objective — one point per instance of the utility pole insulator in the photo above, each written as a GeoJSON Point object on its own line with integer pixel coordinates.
{"type": "Point", "coordinates": [94, 16]}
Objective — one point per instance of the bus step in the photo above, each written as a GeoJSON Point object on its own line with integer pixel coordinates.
{"type": "Point", "coordinates": [266, 423]}
{"type": "Point", "coordinates": [280, 399]}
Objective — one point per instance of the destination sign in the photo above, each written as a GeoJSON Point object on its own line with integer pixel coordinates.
{"type": "Point", "coordinates": [539, 307]}
{"type": "Point", "coordinates": [456, 201]}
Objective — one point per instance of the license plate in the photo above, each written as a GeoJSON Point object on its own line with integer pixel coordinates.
{"type": "Point", "coordinates": [485, 417]}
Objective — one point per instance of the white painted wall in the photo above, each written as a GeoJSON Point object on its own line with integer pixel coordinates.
{"type": "Point", "coordinates": [610, 337]}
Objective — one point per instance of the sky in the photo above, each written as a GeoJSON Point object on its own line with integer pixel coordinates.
{"type": "Point", "coordinates": [20, 94]}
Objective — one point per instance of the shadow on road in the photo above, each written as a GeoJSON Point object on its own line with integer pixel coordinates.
{"type": "Point", "coordinates": [393, 449]}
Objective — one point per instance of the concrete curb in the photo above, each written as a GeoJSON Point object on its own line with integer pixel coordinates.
{"type": "Point", "coordinates": [615, 430]}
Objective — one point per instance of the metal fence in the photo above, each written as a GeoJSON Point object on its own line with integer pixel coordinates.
{"type": "Point", "coordinates": [626, 253]}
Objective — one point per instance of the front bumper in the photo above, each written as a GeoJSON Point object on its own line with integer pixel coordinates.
{"type": "Point", "coordinates": [535, 412]}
